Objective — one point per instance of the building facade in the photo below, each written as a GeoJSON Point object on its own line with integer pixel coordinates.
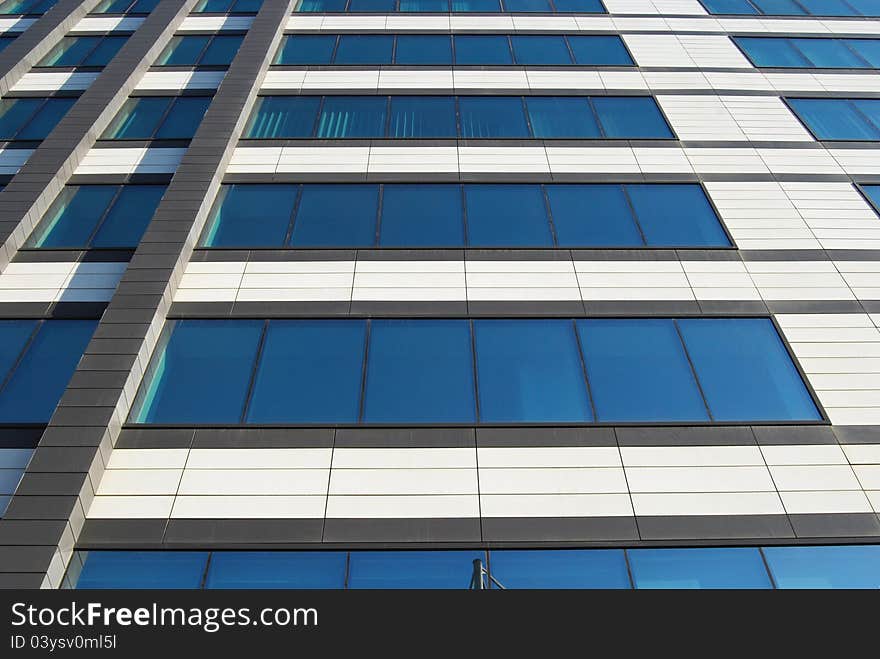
{"type": "Point", "coordinates": [355, 293]}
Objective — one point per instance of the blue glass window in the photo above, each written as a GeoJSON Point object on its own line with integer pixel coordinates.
{"type": "Point", "coordinates": [5, 41]}
{"type": "Point", "coordinates": [320, 6]}
{"type": "Point", "coordinates": [810, 52]}
{"type": "Point", "coordinates": [251, 216]}
{"type": "Point", "coordinates": [421, 216]}
{"type": "Point", "coordinates": [420, 6]}
{"type": "Point", "coordinates": [745, 371]}
{"type": "Point", "coordinates": [13, 336]}
{"type": "Point", "coordinates": [364, 49]}
{"type": "Point", "coordinates": [125, 7]}
{"type": "Point", "coordinates": [283, 116]}
{"type": "Point", "coordinates": [83, 51]}
{"type": "Point", "coordinates": [183, 118]}
{"type": "Point", "coordinates": [579, 6]}
{"type": "Point", "coordinates": [222, 50]}
{"type": "Point", "coordinates": [868, 49]}
{"type": "Point", "coordinates": [825, 567]}
{"type": "Point", "coordinates": [31, 118]}
{"type": "Point", "coordinates": [143, 569]}
{"type": "Point", "coordinates": [158, 117]}
{"type": "Point", "coordinates": [228, 6]}
{"type": "Point", "coordinates": [561, 117]}
{"type": "Point", "coordinates": [419, 372]}
{"type": "Point", "coordinates": [309, 372]}
{"type": "Point", "coordinates": [500, 215]}
{"type": "Point", "coordinates": [836, 118]}
{"type": "Point", "coordinates": [865, 7]}
{"type": "Point", "coordinates": [631, 117]}
{"type": "Point", "coordinates": [780, 7]}
{"type": "Point", "coordinates": [26, 6]}
{"type": "Point", "coordinates": [873, 194]}
{"type": "Point", "coordinates": [424, 49]}
{"type": "Point", "coordinates": [372, 6]}
{"type": "Point", "coordinates": [676, 215]}
{"type": "Point", "coordinates": [352, 116]}
{"type": "Point", "coordinates": [32, 391]}
{"type": "Point", "coordinates": [200, 50]}
{"type": "Point", "coordinates": [593, 215]}
{"type": "Point", "coordinates": [476, 6]}
{"type": "Point", "coordinates": [763, 51]}
{"type": "Point", "coordinates": [530, 371]}
{"type": "Point", "coordinates": [560, 568]}
{"type": "Point", "coordinates": [830, 7]}
{"type": "Point", "coordinates": [271, 570]}
{"type": "Point", "coordinates": [202, 373]}
{"type": "Point", "coordinates": [705, 567]}
{"type": "Point", "coordinates": [522, 6]}
{"type": "Point", "coordinates": [829, 53]}
{"type": "Point", "coordinates": [307, 49]}
{"type": "Point", "coordinates": [482, 49]}
{"type": "Point", "coordinates": [492, 116]}
{"type": "Point", "coordinates": [98, 216]}
{"type": "Point", "coordinates": [533, 49]}
{"type": "Point", "coordinates": [638, 371]}
{"type": "Point", "coordinates": [336, 216]}
{"type": "Point", "coordinates": [599, 51]}
{"type": "Point", "coordinates": [412, 569]}
{"type": "Point", "coordinates": [422, 116]}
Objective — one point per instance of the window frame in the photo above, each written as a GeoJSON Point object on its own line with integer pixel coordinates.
{"type": "Point", "coordinates": [787, 101]}
{"type": "Point", "coordinates": [80, 66]}
{"type": "Point", "coordinates": [212, 36]}
{"type": "Point", "coordinates": [160, 122]}
{"type": "Point", "coordinates": [450, 8]}
{"type": "Point", "coordinates": [843, 41]}
{"type": "Point", "coordinates": [45, 101]}
{"type": "Point", "coordinates": [806, 12]}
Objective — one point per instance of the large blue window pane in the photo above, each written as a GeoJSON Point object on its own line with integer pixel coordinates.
{"type": "Point", "coordinates": [561, 117]}
{"type": "Point", "coordinates": [533, 49]}
{"type": "Point", "coordinates": [284, 116]}
{"type": "Point", "coordinates": [138, 118]}
{"type": "Point", "coordinates": [267, 570]}
{"type": "Point", "coordinates": [320, 6]}
{"type": "Point", "coordinates": [522, 6]}
{"type": "Point", "coordinates": [307, 49]}
{"type": "Point", "coordinates": [69, 51]}
{"type": "Point", "coordinates": [143, 569]}
{"type": "Point", "coordinates": [477, 6]}
{"type": "Point", "coordinates": [780, 7]}
{"type": "Point", "coordinates": [869, 49]}
{"type": "Point", "coordinates": [106, 51]}
{"type": "Point", "coordinates": [423, 49]}
{"type": "Point", "coordinates": [73, 216]}
{"type": "Point", "coordinates": [213, 6]}
{"type": "Point", "coordinates": [873, 193]}
{"type": "Point", "coordinates": [599, 51]}
{"type": "Point", "coordinates": [487, 116]}
{"type": "Point", "coordinates": [765, 51]}
{"type": "Point", "coordinates": [865, 7]}
{"type": "Point", "coordinates": [507, 216]}
{"type": "Point", "coordinates": [638, 371]}
{"type": "Point", "coordinates": [183, 51]}
{"type": "Point", "coordinates": [729, 7]}
{"type": "Point", "coordinates": [419, 371]}
{"type": "Point", "coordinates": [5, 41]}
{"type": "Point", "coordinates": [592, 216]}
{"type": "Point", "coordinates": [420, 6]}
{"type": "Point", "coordinates": [530, 371]}
{"type": "Point", "coordinates": [222, 50]}
{"type": "Point", "coordinates": [246, 6]}
{"type": "Point", "coordinates": [676, 215]}
{"type": "Point", "coordinates": [143, 6]}
{"type": "Point", "coordinates": [855, 566]}
{"type": "Point", "coordinates": [412, 569]}
{"type": "Point", "coordinates": [202, 374]}
{"type": "Point", "coordinates": [112, 7]}
{"type": "Point", "coordinates": [128, 218]}
{"type": "Point", "coordinates": [309, 372]}
{"type": "Point", "coordinates": [13, 336]}
{"type": "Point", "coordinates": [14, 112]}
{"type": "Point", "coordinates": [630, 117]}
{"type": "Point", "coordinates": [579, 6]}
{"type": "Point", "coordinates": [560, 568]}
{"type": "Point", "coordinates": [709, 567]}
{"type": "Point", "coordinates": [372, 6]}
{"type": "Point", "coordinates": [483, 50]}
{"type": "Point", "coordinates": [828, 8]}
{"type": "Point", "coordinates": [421, 216]}
{"type": "Point", "coordinates": [870, 108]}
{"type": "Point", "coordinates": [745, 371]}
{"type": "Point", "coordinates": [184, 118]}
{"type": "Point", "coordinates": [46, 118]}
{"type": "Point", "coordinates": [336, 216]}
{"type": "Point", "coordinates": [834, 119]}
{"type": "Point", "coordinates": [829, 53]}
{"type": "Point", "coordinates": [251, 216]}
{"type": "Point", "coordinates": [364, 49]}
{"type": "Point", "coordinates": [39, 380]}
{"type": "Point", "coordinates": [422, 116]}
{"type": "Point", "coordinates": [352, 116]}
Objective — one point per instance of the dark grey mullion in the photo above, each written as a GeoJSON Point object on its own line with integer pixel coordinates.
{"type": "Point", "coordinates": [258, 356]}
{"type": "Point", "coordinates": [335, 49]}
{"type": "Point", "coordinates": [104, 214]}
{"type": "Point", "coordinates": [635, 216]}
{"type": "Point", "coordinates": [204, 580]}
{"type": "Point", "coordinates": [98, 42]}
{"type": "Point", "coordinates": [318, 116]}
{"type": "Point", "coordinates": [476, 373]}
{"type": "Point", "coordinates": [363, 401]}
{"type": "Point", "coordinates": [458, 127]}
{"type": "Point", "coordinates": [861, 114]}
{"type": "Point", "coordinates": [568, 48]}
{"type": "Point", "coordinates": [854, 52]}
{"type": "Point", "coordinates": [31, 118]}
{"type": "Point", "coordinates": [629, 572]}
{"type": "Point", "coordinates": [380, 199]}
{"type": "Point", "coordinates": [584, 372]}
{"type": "Point", "coordinates": [549, 212]}
{"type": "Point", "coordinates": [293, 213]}
{"type": "Point", "coordinates": [463, 199]}
{"type": "Point", "coordinates": [510, 49]}
{"type": "Point", "coordinates": [162, 118]}
{"type": "Point", "coordinates": [690, 362]}
{"type": "Point", "coordinates": [801, 53]}
{"type": "Point", "coordinates": [387, 131]}
{"type": "Point", "coordinates": [767, 567]}
{"type": "Point", "coordinates": [204, 48]}
{"type": "Point", "coordinates": [393, 48]}
{"type": "Point", "coordinates": [528, 118]}
{"type": "Point", "coordinates": [599, 121]}
{"type": "Point", "coordinates": [24, 349]}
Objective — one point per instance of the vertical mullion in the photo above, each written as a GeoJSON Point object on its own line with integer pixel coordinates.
{"type": "Point", "coordinates": [586, 377]}
{"type": "Point", "coordinates": [257, 357]}
{"type": "Point", "coordinates": [380, 201]}
{"type": "Point", "coordinates": [463, 201]}
{"type": "Point", "coordinates": [690, 362]}
{"type": "Point", "coordinates": [635, 216]}
{"type": "Point", "coordinates": [473, 330]}
{"type": "Point", "coordinates": [549, 212]}
{"type": "Point", "coordinates": [21, 354]}
{"type": "Point", "coordinates": [363, 400]}
{"type": "Point", "coordinates": [293, 213]}
{"type": "Point", "coordinates": [203, 50]}
{"type": "Point", "coordinates": [104, 214]}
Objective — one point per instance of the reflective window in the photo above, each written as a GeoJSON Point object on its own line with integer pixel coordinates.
{"type": "Point", "coordinates": [352, 116]}
{"type": "Point", "coordinates": [155, 569]}
{"type": "Point", "coordinates": [283, 116]}
{"type": "Point", "coordinates": [838, 118]}
{"type": "Point", "coordinates": [412, 569]}
{"type": "Point", "coordinates": [422, 117]}
{"type": "Point", "coordinates": [83, 51]}
{"type": "Point", "coordinates": [560, 568]}
{"type": "Point", "coordinates": [200, 50]}
{"type": "Point", "coordinates": [364, 49]}
{"type": "Point", "coordinates": [306, 49]}
{"type": "Point", "coordinates": [816, 53]}
{"type": "Point", "coordinates": [13, 462]}
{"type": "Point", "coordinates": [873, 193]}
{"type": "Point", "coordinates": [433, 215]}
{"type": "Point", "coordinates": [102, 216]}
{"type": "Point", "coordinates": [31, 118]}
{"type": "Point", "coordinates": [158, 117]}
{"type": "Point", "coordinates": [532, 50]}
{"type": "Point", "coordinates": [794, 7]}
{"type": "Point", "coordinates": [125, 7]}
{"type": "Point", "coordinates": [492, 116]}
{"type": "Point", "coordinates": [444, 6]}
{"type": "Point", "coordinates": [706, 567]}
{"type": "Point", "coordinates": [5, 41]}
{"type": "Point", "coordinates": [277, 569]}
{"type": "Point", "coordinates": [486, 49]}
{"type": "Point", "coordinates": [630, 116]}
{"type": "Point", "coordinates": [34, 7]}
{"type": "Point", "coordinates": [430, 49]}
{"type": "Point", "coordinates": [419, 372]}
{"type": "Point", "coordinates": [228, 6]}
{"type": "Point", "coordinates": [599, 51]}
{"type": "Point", "coordinates": [825, 567]}
{"type": "Point", "coordinates": [562, 117]}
